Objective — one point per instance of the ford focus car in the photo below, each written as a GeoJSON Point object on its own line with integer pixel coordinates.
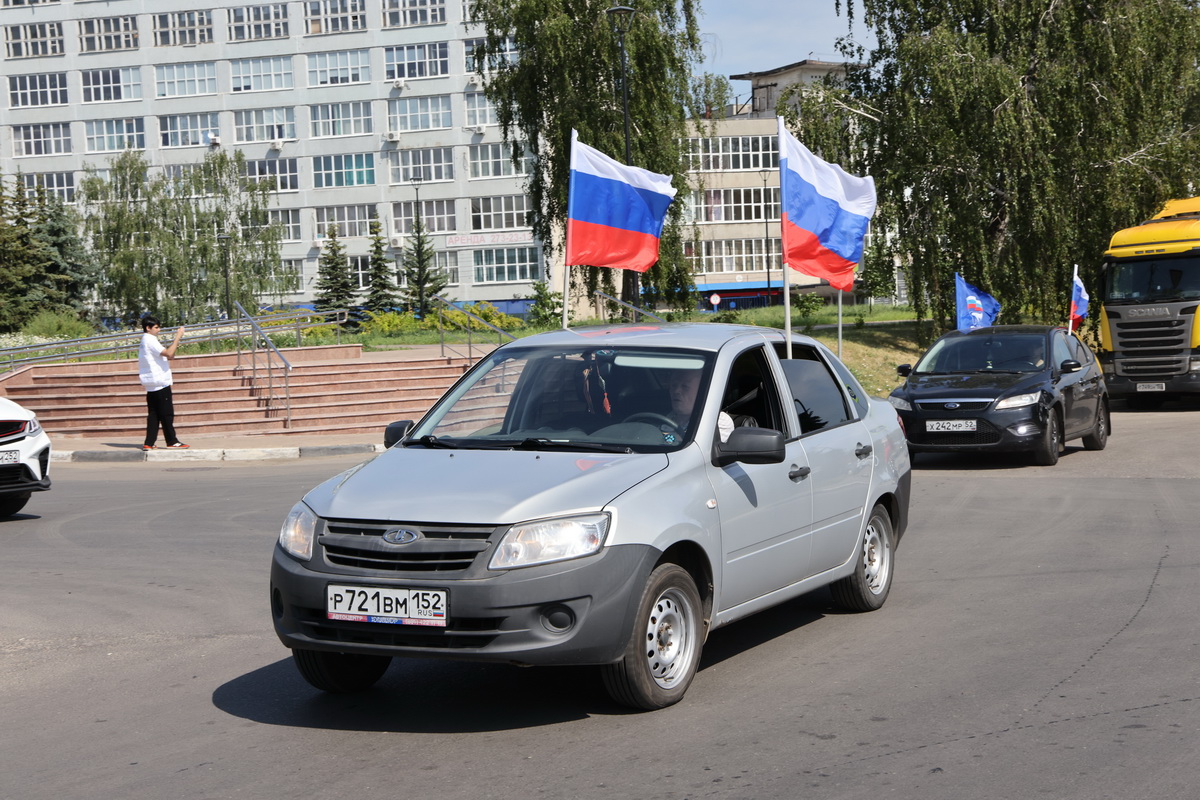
{"type": "Point", "coordinates": [600, 496]}
{"type": "Point", "coordinates": [1005, 388]}
{"type": "Point", "coordinates": [24, 457]}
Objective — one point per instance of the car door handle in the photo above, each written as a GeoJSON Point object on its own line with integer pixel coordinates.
{"type": "Point", "coordinates": [863, 450]}
{"type": "Point", "coordinates": [798, 474]}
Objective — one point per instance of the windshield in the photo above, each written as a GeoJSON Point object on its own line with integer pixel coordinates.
{"type": "Point", "coordinates": [1152, 281]}
{"type": "Point", "coordinates": [572, 398]}
{"type": "Point", "coordinates": [1024, 352]}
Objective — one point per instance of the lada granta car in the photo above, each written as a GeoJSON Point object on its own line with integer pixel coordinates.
{"type": "Point", "coordinates": [604, 496]}
{"type": "Point", "coordinates": [1006, 388]}
{"type": "Point", "coordinates": [24, 457]}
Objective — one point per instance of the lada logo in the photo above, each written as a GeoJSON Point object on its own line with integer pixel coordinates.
{"type": "Point", "coordinates": [1149, 312]}
{"type": "Point", "coordinates": [400, 536]}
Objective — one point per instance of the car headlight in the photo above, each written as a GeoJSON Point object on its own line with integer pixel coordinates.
{"type": "Point", "coordinates": [550, 540]}
{"type": "Point", "coordinates": [1018, 400]}
{"type": "Point", "coordinates": [900, 403]}
{"type": "Point", "coordinates": [298, 532]}
{"type": "Point", "coordinates": [33, 427]}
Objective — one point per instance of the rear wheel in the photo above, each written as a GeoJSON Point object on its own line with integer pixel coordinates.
{"type": "Point", "coordinates": [12, 504]}
{"type": "Point", "coordinates": [1098, 438]}
{"type": "Point", "coordinates": [867, 587]}
{"type": "Point", "coordinates": [664, 647]}
{"type": "Point", "coordinates": [340, 673]}
{"type": "Point", "coordinates": [1046, 454]}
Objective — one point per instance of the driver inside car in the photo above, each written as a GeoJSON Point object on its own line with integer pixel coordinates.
{"type": "Point", "coordinates": [683, 386]}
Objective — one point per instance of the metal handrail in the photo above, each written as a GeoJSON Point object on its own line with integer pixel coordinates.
{"type": "Point", "coordinates": [271, 350]}
{"type": "Point", "coordinates": [631, 307]}
{"type": "Point", "coordinates": [470, 346]}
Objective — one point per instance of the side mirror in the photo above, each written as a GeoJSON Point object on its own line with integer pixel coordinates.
{"type": "Point", "coordinates": [396, 431]}
{"type": "Point", "coordinates": [904, 370]}
{"type": "Point", "coordinates": [750, 446]}
{"type": "Point", "coordinates": [1070, 365]}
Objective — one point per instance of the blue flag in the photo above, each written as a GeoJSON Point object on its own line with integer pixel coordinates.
{"type": "Point", "coordinates": [976, 309]}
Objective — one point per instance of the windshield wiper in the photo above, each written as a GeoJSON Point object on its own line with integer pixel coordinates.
{"type": "Point", "coordinates": [431, 441]}
{"type": "Point", "coordinates": [552, 444]}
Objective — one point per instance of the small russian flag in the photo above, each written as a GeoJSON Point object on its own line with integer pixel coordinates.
{"type": "Point", "coordinates": [1079, 301]}
{"type": "Point", "coordinates": [825, 213]}
{"type": "Point", "coordinates": [615, 213]}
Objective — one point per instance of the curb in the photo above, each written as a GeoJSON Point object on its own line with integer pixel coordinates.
{"type": "Point", "coordinates": [229, 454]}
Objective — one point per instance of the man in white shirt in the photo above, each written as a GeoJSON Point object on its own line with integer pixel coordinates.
{"type": "Point", "coordinates": [154, 370]}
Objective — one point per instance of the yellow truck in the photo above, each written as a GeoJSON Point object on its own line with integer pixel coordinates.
{"type": "Point", "coordinates": [1149, 295]}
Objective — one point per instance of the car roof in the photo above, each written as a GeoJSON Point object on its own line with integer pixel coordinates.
{"type": "Point", "coordinates": [1005, 330]}
{"type": "Point", "coordinates": [708, 336]}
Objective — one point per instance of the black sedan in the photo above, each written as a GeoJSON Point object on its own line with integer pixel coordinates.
{"type": "Point", "coordinates": [1005, 388]}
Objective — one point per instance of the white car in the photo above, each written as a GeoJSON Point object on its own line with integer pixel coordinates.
{"type": "Point", "coordinates": [601, 496]}
{"type": "Point", "coordinates": [24, 457]}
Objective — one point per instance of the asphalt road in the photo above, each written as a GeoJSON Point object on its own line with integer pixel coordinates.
{"type": "Point", "coordinates": [1041, 639]}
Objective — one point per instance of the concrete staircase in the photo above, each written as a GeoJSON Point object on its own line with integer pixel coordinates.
{"type": "Point", "coordinates": [333, 388]}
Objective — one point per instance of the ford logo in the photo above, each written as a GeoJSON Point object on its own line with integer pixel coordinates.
{"type": "Point", "coordinates": [951, 405]}
{"type": "Point", "coordinates": [400, 536]}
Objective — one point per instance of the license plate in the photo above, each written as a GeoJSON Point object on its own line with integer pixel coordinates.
{"type": "Point", "coordinates": [10, 456]}
{"type": "Point", "coordinates": [1151, 387]}
{"type": "Point", "coordinates": [387, 605]}
{"type": "Point", "coordinates": [949, 425]}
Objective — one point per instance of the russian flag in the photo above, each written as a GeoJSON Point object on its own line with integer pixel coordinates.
{"type": "Point", "coordinates": [1079, 301]}
{"type": "Point", "coordinates": [825, 213]}
{"type": "Point", "coordinates": [615, 213]}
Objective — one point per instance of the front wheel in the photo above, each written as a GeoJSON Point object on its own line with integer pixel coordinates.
{"type": "Point", "coordinates": [1098, 438]}
{"type": "Point", "coordinates": [12, 504]}
{"type": "Point", "coordinates": [340, 673]}
{"type": "Point", "coordinates": [664, 647]}
{"type": "Point", "coordinates": [866, 589]}
{"type": "Point", "coordinates": [1046, 454]}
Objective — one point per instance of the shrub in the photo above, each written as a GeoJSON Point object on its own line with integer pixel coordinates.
{"type": "Point", "coordinates": [485, 311]}
{"type": "Point", "coordinates": [57, 325]}
{"type": "Point", "coordinates": [390, 323]}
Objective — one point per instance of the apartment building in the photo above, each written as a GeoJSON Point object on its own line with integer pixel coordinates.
{"type": "Point", "coordinates": [354, 109]}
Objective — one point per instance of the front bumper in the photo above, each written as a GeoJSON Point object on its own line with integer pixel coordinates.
{"type": "Point", "coordinates": [1015, 430]}
{"type": "Point", "coordinates": [1173, 385]}
{"type": "Point", "coordinates": [30, 474]}
{"type": "Point", "coordinates": [572, 612]}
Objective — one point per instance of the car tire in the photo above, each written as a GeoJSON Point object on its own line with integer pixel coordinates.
{"type": "Point", "coordinates": [12, 504]}
{"type": "Point", "coordinates": [1098, 438]}
{"type": "Point", "coordinates": [1050, 445]}
{"type": "Point", "coordinates": [867, 588]}
{"type": "Point", "coordinates": [340, 673]}
{"type": "Point", "coordinates": [663, 651]}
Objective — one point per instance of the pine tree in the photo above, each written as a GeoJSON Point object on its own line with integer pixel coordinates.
{"type": "Point", "coordinates": [22, 260]}
{"type": "Point", "coordinates": [334, 288]}
{"type": "Point", "coordinates": [422, 279]}
{"type": "Point", "coordinates": [381, 295]}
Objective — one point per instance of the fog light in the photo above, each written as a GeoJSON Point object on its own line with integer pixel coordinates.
{"type": "Point", "coordinates": [1025, 429]}
{"type": "Point", "coordinates": [558, 619]}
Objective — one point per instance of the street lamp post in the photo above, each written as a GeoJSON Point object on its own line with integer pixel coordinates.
{"type": "Point", "coordinates": [621, 18]}
{"type": "Point", "coordinates": [764, 174]}
{"type": "Point", "coordinates": [224, 239]}
{"type": "Point", "coordinates": [416, 178]}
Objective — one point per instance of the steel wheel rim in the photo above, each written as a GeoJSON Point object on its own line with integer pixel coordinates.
{"type": "Point", "coordinates": [670, 642]}
{"type": "Point", "coordinates": [877, 558]}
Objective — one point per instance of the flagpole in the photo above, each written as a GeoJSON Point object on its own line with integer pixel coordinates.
{"type": "Point", "coordinates": [566, 292]}
{"type": "Point", "coordinates": [1071, 297]}
{"type": "Point", "coordinates": [839, 291]}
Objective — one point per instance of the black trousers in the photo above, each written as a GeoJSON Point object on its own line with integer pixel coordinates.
{"type": "Point", "coordinates": [160, 410]}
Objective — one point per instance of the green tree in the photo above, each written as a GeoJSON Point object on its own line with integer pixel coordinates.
{"type": "Point", "coordinates": [22, 260]}
{"type": "Point", "coordinates": [1008, 140]}
{"type": "Point", "coordinates": [422, 280]}
{"type": "Point", "coordinates": [170, 242]}
{"type": "Point", "coordinates": [70, 271]}
{"type": "Point", "coordinates": [381, 291]}
{"type": "Point", "coordinates": [546, 309]}
{"type": "Point", "coordinates": [567, 75]}
{"type": "Point", "coordinates": [335, 288]}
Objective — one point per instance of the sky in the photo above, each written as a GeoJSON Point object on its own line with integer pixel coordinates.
{"type": "Point", "coordinates": [757, 35]}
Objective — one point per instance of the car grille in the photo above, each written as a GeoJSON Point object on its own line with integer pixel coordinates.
{"type": "Point", "coordinates": [984, 434]}
{"type": "Point", "coordinates": [15, 475]}
{"type": "Point", "coordinates": [461, 633]}
{"type": "Point", "coordinates": [440, 548]}
{"type": "Point", "coordinates": [940, 405]}
{"type": "Point", "coordinates": [1154, 348]}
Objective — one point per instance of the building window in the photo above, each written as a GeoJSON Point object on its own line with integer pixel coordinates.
{"type": "Point", "coordinates": [751, 204]}
{"type": "Point", "coordinates": [417, 60]}
{"type": "Point", "coordinates": [261, 74]}
{"type": "Point", "coordinates": [508, 55]}
{"type": "Point", "coordinates": [264, 124]}
{"type": "Point", "coordinates": [507, 264]}
{"type": "Point", "coordinates": [182, 80]}
{"type": "Point", "coordinates": [729, 153]}
{"type": "Point", "coordinates": [499, 213]}
{"type": "Point", "coordinates": [340, 119]}
{"type": "Point", "coordinates": [34, 40]}
{"type": "Point", "coordinates": [346, 66]}
{"type": "Point", "coordinates": [59, 184]}
{"type": "Point", "coordinates": [17, 3]}
{"type": "Point", "coordinates": [288, 219]}
{"type": "Point", "coordinates": [411, 13]}
{"type": "Point", "coordinates": [42, 140]}
{"type": "Point", "coordinates": [48, 89]}
{"type": "Point", "coordinates": [188, 130]}
{"type": "Point", "coordinates": [351, 220]}
{"type": "Point", "coordinates": [183, 28]}
{"type": "Point", "coordinates": [431, 164]}
{"type": "Point", "coordinates": [479, 110]}
{"type": "Point", "coordinates": [419, 113]}
{"type": "Point", "coordinates": [733, 255]}
{"type": "Point", "coordinates": [106, 34]}
{"type": "Point", "coordinates": [110, 85]}
{"type": "Point", "coordinates": [437, 216]}
{"type": "Point", "coordinates": [447, 262]}
{"type": "Point", "coordinates": [112, 135]}
{"type": "Point", "coordinates": [335, 16]}
{"type": "Point", "coordinates": [252, 23]}
{"type": "Point", "coordinates": [290, 274]}
{"type": "Point", "coordinates": [282, 174]}
{"type": "Point", "coordinates": [360, 271]}
{"type": "Point", "coordinates": [495, 161]}
{"type": "Point", "coordinates": [344, 169]}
